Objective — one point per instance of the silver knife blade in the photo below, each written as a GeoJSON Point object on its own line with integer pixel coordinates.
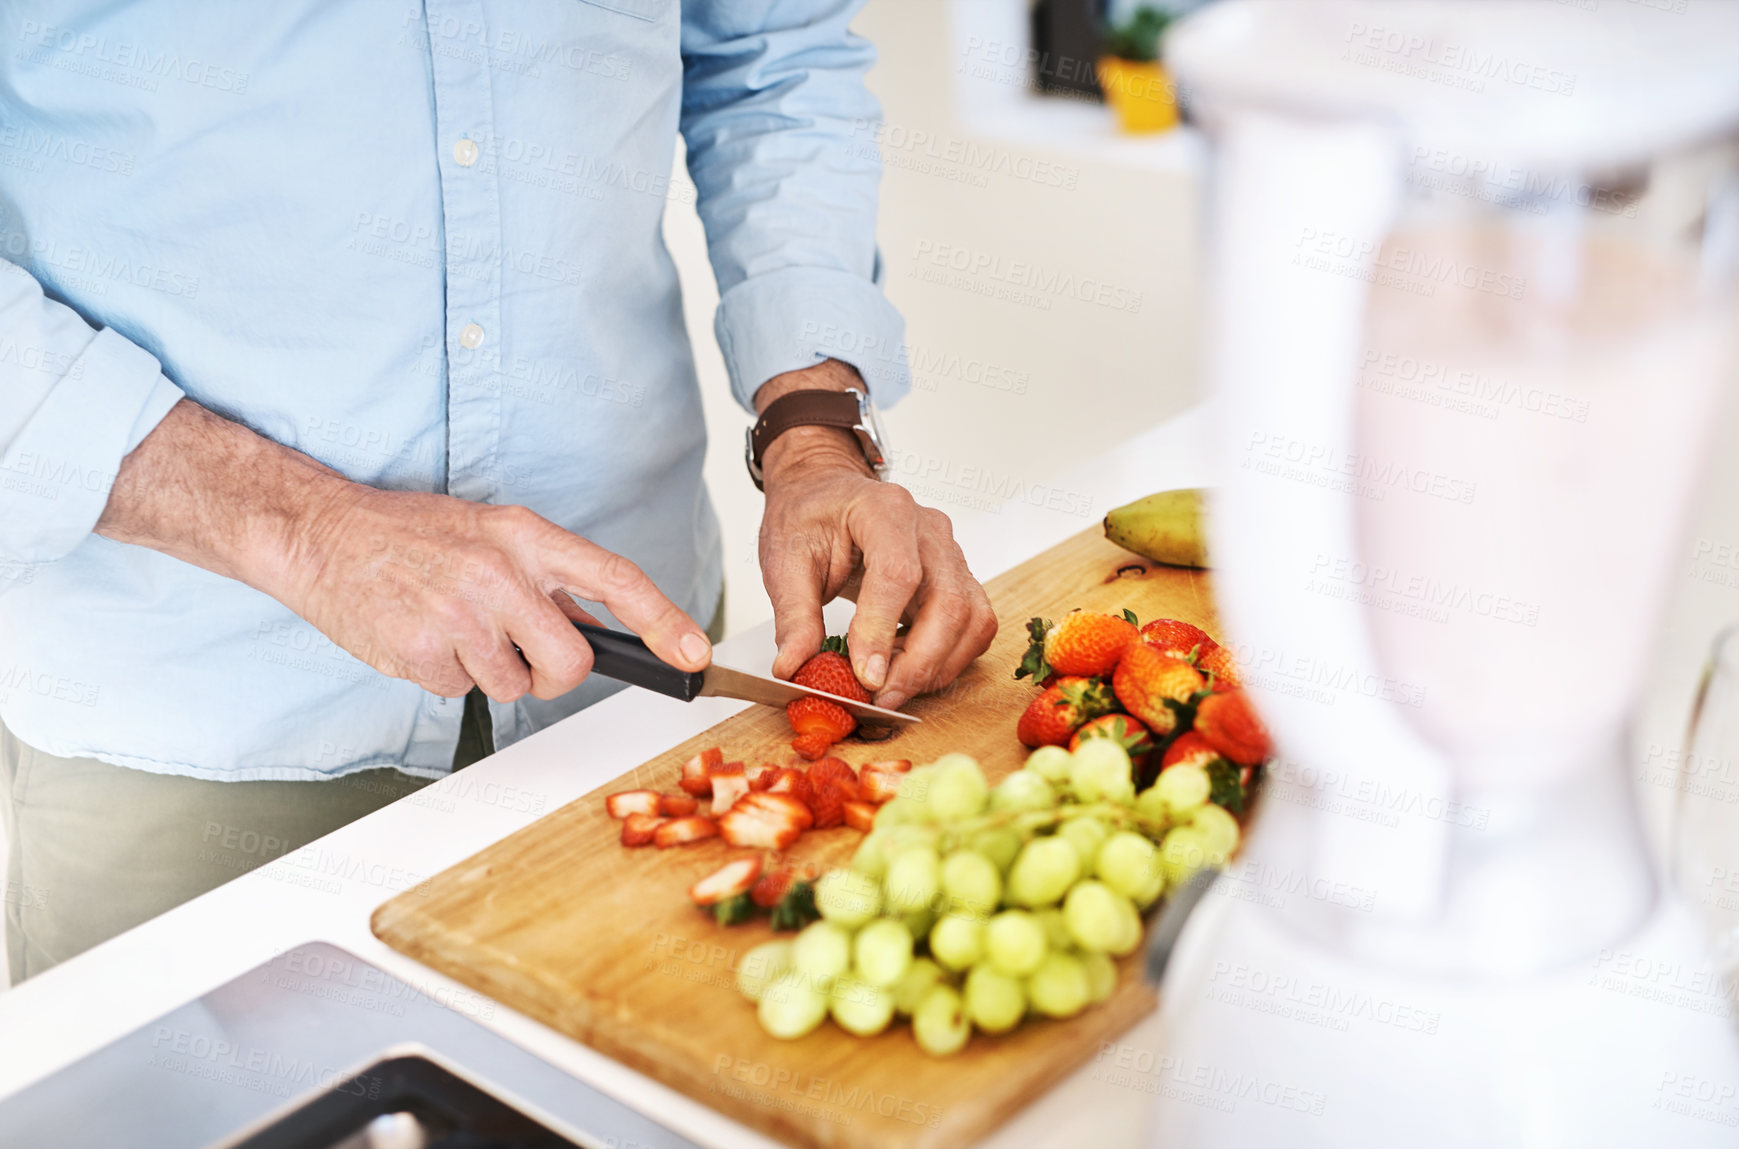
{"type": "Point", "coordinates": [724, 682]}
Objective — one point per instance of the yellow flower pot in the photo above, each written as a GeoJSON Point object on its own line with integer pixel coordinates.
{"type": "Point", "coordinates": [1140, 92]}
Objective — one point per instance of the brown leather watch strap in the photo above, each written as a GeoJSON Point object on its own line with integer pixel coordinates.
{"type": "Point", "coordinates": [801, 409]}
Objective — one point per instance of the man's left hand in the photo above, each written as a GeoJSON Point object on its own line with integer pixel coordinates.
{"type": "Point", "coordinates": [832, 528]}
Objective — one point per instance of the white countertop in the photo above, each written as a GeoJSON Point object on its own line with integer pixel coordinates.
{"type": "Point", "coordinates": [328, 890]}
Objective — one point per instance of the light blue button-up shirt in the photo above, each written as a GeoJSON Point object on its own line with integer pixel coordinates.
{"type": "Point", "coordinates": [421, 244]}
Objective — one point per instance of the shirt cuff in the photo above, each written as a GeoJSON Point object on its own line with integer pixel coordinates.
{"type": "Point", "coordinates": [61, 466]}
{"type": "Point", "coordinates": [794, 318]}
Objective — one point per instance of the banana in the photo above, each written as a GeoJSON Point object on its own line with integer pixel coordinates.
{"type": "Point", "coordinates": [1166, 527]}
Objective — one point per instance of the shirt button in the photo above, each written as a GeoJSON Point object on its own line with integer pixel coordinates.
{"type": "Point", "coordinates": [465, 151]}
{"type": "Point", "coordinates": [471, 337]}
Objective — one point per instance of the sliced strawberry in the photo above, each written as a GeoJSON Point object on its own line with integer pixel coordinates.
{"type": "Point", "coordinates": [892, 766]}
{"type": "Point", "coordinates": [632, 802]}
{"type": "Point", "coordinates": [682, 831]}
{"type": "Point", "coordinates": [860, 816]}
{"type": "Point", "coordinates": [835, 770]}
{"type": "Point", "coordinates": [727, 788]}
{"type": "Point", "coordinates": [639, 829]}
{"type": "Point", "coordinates": [761, 776]}
{"type": "Point", "coordinates": [677, 805]}
{"type": "Point", "coordinates": [697, 771]}
{"type": "Point", "coordinates": [765, 821]}
{"type": "Point", "coordinates": [878, 785]}
{"type": "Point", "coordinates": [828, 804]}
{"type": "Point", "coordinates": [818, 724]}
{"type": "Point", "coordinates": [809, 747]}
{"type": "Point", "coordinates": [772, 886]}
{"type": "Point", "coordinates": [795, 783]}
{"type": "Point", "coordinates": [728, 769]}
{"type": "Point", "coordinates": [730, 880]}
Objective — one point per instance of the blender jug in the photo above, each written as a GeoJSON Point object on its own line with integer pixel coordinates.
{"type": "Point", "coordinates": [1471, 317]}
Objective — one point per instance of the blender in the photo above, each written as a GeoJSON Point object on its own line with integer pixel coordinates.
{"type": "Point", "coordinates": [1470, 299]}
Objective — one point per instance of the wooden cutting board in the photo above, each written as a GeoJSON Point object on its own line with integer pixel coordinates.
{"type": "Point", "coordinates": [562, 923]}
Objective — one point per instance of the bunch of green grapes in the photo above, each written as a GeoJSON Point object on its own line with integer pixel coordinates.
{"type": "Point", "coordinates": [967, 907]}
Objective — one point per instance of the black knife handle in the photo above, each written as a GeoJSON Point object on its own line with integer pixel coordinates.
{"type": "Point", "coordinates": [622, 656]}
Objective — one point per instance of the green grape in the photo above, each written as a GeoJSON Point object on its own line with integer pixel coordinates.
{"type": "Point", "coordinates": [958, 789]}
{"type": "Point", "coordinates": [791, 1006]}
{"type": "Point", "coordinates": [1130, 924]}
{"type": "Point", "coordinates": [1087, 835]}
{"type": "Point", "coordinates": [1150, 804]}
{"type": "Point", "coordinates": [1056, 931]}
{"type": "Point", "coordinates": [860, 1007]}
{"type": "Point", "coordinates": [1092, 915]}
{"type": "Point", "coordinates": [761, 965]}
{"type": "Point", "coordinates": [1023, 790]}
{"type": "Point", "coordinates": [881, 951]}
{"type": "Point", "coordinates": [1183, 788]}
{"type": "Point", "coordinates": [939, 1022]}
{"type": "Point", "coordinates": [1099, 771]}
{"type": "Point", "coordinates": [919, 922]}
{"type": "Point", "coordinates": [971, 881]}
{"type": "Point", "coordinates": [1220, 832]}
{"type": "Point", "coordinates": [913, 880]}
{"type": "Point", "coordinates": [957, 941]}
{"type": "Point", "coordinates": [902, 811]}
{"type": "Point", "coordinates": [1043, 872]}
{"type": "Point", "coordinates": [1101, 976]}
{"type": "Point", "coordinates": [1014, 943]}
{"type": "Point", "coordinates": [907, 836]}
{"type": "Point", "coordinates": [869, 858]}
{"type": "Point", "coordinates": [919, 978]}
{"type": "Point", "coordinates": [848, 897]}
{"type": "Point", "coordinates": [1182, 853]}
{"type": "Point", "coordinates": [1000, 845]}
{"type": "Point", "coordinates": [1129, 864]}
{"type": "Point", "coordinates": [822, 950]}
{"type": "Point", "coordinates": [1050, 763]}
{"type": "Point", "coordinates": [995, 1002]}
{"type": "Point", "coordinates": [1059, 987]}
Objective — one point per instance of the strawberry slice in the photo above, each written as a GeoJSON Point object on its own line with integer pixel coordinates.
{"type": "Point", "coordinates": [727, 788]}
{"type": "Point", "coordinates": [838, 771]}
{"type": "Point", "coordinates": [632, 802]}
{"type": "Point", "coordinates": [682, 831]}
{"type": "Point", "coordinates": [770, 890]}
{"type": "Point", "coordinates": [697, 771]}
{"type": "Point", "coordinates": [730, 880]}
{"type": "Point", "coordinates": [878, 785]}
{"type": "Point", "coordinates": [892, 766]}
{"type": "Point", "coordinates": [765, 821]}
{"type": "Point", "coordinates": [860, 816]}
{"type": "Point", "coordinates": [677, 805]}
{"type": "Point", "coordinates": [818, 724]}
{"type": "Point", "coordinates": [795, 783]}
{"type": "Point", "coordinates": [761, 776]}
{"type": "Point", "coordinates": [727, 769]}
{"type": "Point", "coordinates": [640, 829]}
{"type": "Point", "coordinates": [828, 804]}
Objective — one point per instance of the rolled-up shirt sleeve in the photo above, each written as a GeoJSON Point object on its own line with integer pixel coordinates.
{"type": "Point", "coordinates": [781, 135]}
{"type": "Point", "coordinates": [74, 400]}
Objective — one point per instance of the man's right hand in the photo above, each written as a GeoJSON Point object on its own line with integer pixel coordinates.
{"type": "Point", "coordinates": [424, 587]}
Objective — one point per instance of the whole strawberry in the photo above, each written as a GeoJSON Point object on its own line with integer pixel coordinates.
{"type": "Point", "coordinates": [831, 671]}
{"type": "Point", "coordinates": [1228, 723]}
{"type": "Point", "coordinates": [818, 724]}
{"type": "Point", "coordinates": [1188, 749]}
{"type": "Point", "coordinates": [1086, 643]}
{"type": "Point", "coordinates": [1217, 660]}
{"type": "Point", "coordinates": [1176, 638]}
{"type": "Point", "coordinates": [1053, 717]}
{"type": "Point", "coordinates": [1147, 679]}
{"type": "Point", "coordinates": [1127, 732]}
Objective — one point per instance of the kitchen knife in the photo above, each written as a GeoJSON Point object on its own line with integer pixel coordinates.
{"type": "Point", "coordinates": [622, 656]}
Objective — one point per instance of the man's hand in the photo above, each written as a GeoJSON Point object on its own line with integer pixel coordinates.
{"type": "Point", "coordinates": [831, 528]}
{"type": "Point", "coordinates": [425, 587]}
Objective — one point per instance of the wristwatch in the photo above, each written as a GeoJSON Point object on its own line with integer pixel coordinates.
{"type": "Point", "coordinates": [848, 410]}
